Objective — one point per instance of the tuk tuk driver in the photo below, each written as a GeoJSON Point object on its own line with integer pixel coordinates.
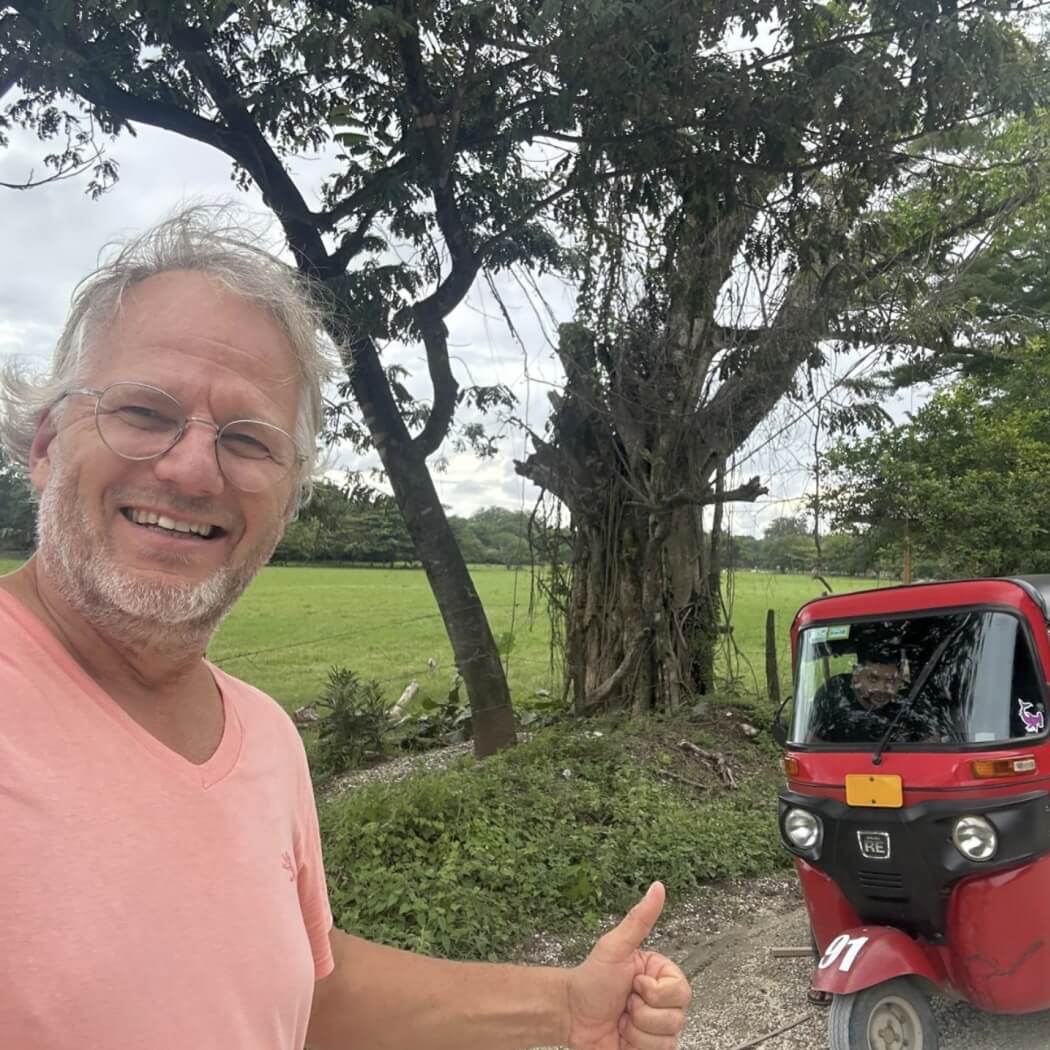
{"type": "Point", "coordinates": [849, 706]}
{"type": "Point", "coordinates": [878, 680]}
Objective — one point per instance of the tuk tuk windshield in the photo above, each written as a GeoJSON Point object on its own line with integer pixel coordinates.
{"type": "Point", "coordinates": [948, 679]}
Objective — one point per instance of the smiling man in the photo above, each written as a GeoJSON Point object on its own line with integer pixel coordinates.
{"type": "Point", "coordinates": [161, 865]}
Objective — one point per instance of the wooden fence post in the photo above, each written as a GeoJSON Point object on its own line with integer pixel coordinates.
{"type": "Point", "coordinates": [772, 673]}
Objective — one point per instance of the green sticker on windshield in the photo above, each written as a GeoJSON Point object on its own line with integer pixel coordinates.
{"type": "Point", "coordinates": [838, 632]}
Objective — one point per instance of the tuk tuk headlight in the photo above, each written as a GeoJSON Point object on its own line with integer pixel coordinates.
{"type": "Point", "coordinates": [975, 838]}
{"type": "Point", "coordinates": [802, 829]}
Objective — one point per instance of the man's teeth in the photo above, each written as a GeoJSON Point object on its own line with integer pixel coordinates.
{"type": "Point", "coordinates": [147, 517]}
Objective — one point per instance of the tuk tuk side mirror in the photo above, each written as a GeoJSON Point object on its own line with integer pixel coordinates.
{"type": "Point", "coordinates": [779, 731]}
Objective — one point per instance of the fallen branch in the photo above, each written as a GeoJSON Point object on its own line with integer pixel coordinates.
{"type": "Point", "coordinates": [398, 710]}
{"type": "Point", "coordinates": [307, 715]}
{"type": "Point", "coordinates": [715, 758]}
{"type": "Point", "coordinates": [780, 1031]}
{"type": "Point", "coordinates": [801, 952]}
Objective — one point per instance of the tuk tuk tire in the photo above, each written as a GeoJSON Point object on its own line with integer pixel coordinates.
{"type": "Point", "coordinates": [894, 1015]}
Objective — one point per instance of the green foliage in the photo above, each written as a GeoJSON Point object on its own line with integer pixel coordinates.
{"type": "Point", "coordinates": [554, 834]}
{"type": "Point", "coordinates": [438, 723]}
{"type": "Point", "coordinates": [353, 726]}
{"type": "Point", "coordinates": [789, 546]}
{"type": "Point", "coordinates": [350, 524]}
{"type": "Point", "coordinates": [357, 524]}
{"type": "Point", "coordinates": [17, 509]}
{"type": "Point", "coordinates": [968, 475]}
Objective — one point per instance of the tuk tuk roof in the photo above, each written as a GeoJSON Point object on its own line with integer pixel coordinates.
{"type": "Point", "coordinates": [914, 597]}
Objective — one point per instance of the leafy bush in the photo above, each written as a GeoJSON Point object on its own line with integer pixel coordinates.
{"type": "Point", "coordinates": [437, 724]}
{"type": "Point", "coordinates": [551, 835]}
{"type": "Point", "coordinates": [352, 728]}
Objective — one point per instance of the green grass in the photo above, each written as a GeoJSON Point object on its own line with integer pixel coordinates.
{"type": "Point", "coordinates": [749, 595]}
{"type": "Point", "coordinates": [294, 623]}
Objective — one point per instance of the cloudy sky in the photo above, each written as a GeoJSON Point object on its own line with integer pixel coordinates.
{"type": "Point", "coordinates": [52, 236]}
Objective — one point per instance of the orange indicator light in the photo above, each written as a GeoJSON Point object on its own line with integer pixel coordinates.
{"type": "Point", "coordinates": [989, 768]}
{"type": "Point", "coordinates": [792, 767]}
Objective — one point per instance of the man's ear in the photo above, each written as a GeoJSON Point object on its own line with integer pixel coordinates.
{"type": "Point", "coordinates": [40, 451]}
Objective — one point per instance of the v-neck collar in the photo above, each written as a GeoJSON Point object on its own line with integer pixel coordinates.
{"type": "Point", "coordinates": [205, 775]}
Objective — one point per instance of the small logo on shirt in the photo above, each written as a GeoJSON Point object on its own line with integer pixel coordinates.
{"type": "Point", "coordinates": [289, 865]}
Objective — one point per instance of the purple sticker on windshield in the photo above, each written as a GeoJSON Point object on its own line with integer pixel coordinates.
{"type": "Point", "coordinates": [1034, 722]}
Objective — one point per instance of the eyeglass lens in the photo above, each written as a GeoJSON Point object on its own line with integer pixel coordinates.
{"type": "Point", "coordinates": [140, 422]}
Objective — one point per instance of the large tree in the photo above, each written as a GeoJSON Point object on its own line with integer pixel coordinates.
{"type": "Point", "coordinates": [759, 237]}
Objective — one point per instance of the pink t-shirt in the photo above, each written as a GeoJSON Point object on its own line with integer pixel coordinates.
{"type": "Point", "coordinates": [147, 903]}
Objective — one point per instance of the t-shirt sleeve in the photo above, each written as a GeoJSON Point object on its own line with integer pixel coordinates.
{"type": "Point", "coordinates": [313, 889]}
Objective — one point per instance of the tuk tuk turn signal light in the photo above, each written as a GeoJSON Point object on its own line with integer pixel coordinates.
{"type": "Point", "coordinates": [792, 766]}
{"type": "Point", "coordinates": [989, 768]}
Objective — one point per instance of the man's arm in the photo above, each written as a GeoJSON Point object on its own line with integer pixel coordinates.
{"type": "Point", "coordinates": [380, 998]}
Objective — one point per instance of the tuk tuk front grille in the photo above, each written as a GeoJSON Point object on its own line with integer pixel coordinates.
{"type": "Point", "coordinates": [883, 884]}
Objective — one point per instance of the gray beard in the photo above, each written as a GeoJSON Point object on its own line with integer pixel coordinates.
{"type": "Point", "coordinates": [163, 617]}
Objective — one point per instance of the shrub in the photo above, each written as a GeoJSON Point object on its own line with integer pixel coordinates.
{"type": "Point", "coordinates": [552, 835]}
{"type": "Point", "coordinates": [351, 731]}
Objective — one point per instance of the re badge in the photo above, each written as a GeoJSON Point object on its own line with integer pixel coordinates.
{"type": "Point", "coordinates": [874, 845]}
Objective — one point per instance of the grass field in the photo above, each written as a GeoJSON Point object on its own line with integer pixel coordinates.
{"type": "Point", "coordinates": [294, 623]}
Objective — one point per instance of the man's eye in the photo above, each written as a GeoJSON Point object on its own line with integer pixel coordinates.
{"type": "Point", "coordinates": [144, 417]}
{"type": "Point", "coordinates": [241, 444]}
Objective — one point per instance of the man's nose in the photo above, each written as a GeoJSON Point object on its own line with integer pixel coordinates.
{"type": "Point", "coordinates": [191, 463]}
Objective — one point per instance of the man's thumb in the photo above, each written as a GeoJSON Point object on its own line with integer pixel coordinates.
{"type": "Point", "coordinates": [639, 921]}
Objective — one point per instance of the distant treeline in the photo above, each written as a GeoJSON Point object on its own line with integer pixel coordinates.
{"type": "Point", "coordinates": [357, 524]}
{"type": "Point", "coordinates": [361, 525]}
{"type": "Point", "coordinates": [789, 545]}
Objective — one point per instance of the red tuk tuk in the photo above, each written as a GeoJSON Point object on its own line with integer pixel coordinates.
{"type": "Point", "coordinates": [917, 803]}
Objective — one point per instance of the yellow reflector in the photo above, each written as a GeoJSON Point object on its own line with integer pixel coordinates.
{"type": "Point", "coordinates": [988, 768]}
{"type": "Point", "coordinates": [883, 790]}
{"type": "Point", "coordinates": [791, 767]}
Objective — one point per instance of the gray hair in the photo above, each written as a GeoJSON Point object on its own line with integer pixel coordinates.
{"type": "Point", "coordinates": [203, 239]}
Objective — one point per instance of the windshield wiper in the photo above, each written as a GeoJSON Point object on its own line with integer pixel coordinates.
{"type": "Point", "coordinates": [917, 686]}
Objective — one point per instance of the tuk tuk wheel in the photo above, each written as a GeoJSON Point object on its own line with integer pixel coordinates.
{"type": "Point", "coordinates": [894, 1015]}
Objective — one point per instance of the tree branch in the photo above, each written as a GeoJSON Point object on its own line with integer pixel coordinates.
{"type": "Point", "coordinates": [601, 693]}
{"type": "Point", "coordinates": [353, 242]}
{"type": "Point", "coordinates": [746, 493]}
{"type": "Point", "coordinates": [446, 389]}
{"type": "Point", "coordinates": [256, 155]}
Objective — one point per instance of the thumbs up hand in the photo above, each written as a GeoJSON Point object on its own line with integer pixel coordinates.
{"type": "Point", "coordinates": [624, 998]}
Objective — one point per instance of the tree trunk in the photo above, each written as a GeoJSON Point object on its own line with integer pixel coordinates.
{"type": "Point", "coordinates": [469, 634]}
{"type": "Point", "coordinates": [637, 608]}
{"type": "Point", "coordinates": [473, 645]}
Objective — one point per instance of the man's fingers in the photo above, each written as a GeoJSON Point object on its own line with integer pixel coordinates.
{"type": "Point", "coordinates": [654, 1020]}
{"type": "Point", "coordinates": [638, 922]}
{"type": "Point", "coordinates": [669, 991]}
{"type": "Point", "coordinates": [632, 1038]}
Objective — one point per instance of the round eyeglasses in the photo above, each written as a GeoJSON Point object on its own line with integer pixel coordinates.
{"type": "Point", "coordinates": [140, 422]}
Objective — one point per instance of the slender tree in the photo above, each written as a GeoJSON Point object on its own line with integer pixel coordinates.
{"type": "Point", "coordinates": [433, 107]}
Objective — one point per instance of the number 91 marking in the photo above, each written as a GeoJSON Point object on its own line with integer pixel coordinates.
{"type": "Point", "coordinates": [848, 947]}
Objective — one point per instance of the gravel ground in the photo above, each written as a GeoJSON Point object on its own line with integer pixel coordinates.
{"type": "Point", "coordinates": [743, 998]}
{"type": "Point", "coordinates": [397, 768]}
